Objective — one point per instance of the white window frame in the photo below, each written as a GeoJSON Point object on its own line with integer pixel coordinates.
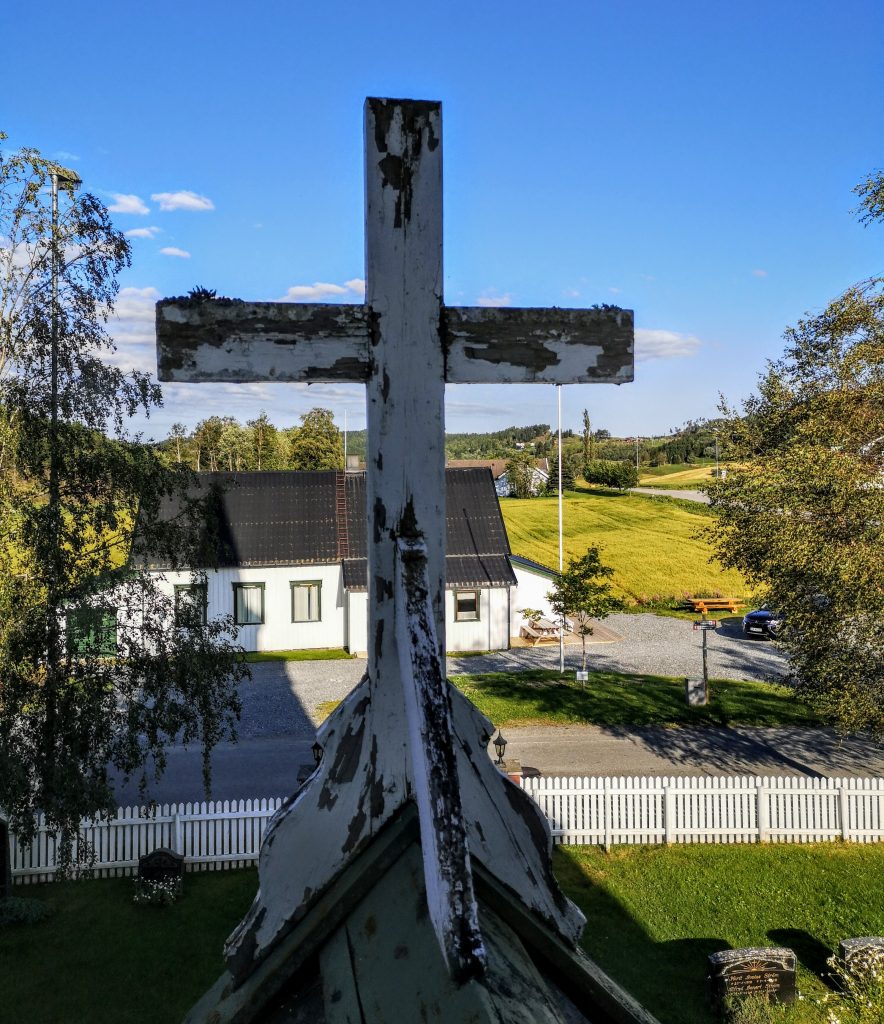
{"type": "Point", "coordinates": [467, 617]}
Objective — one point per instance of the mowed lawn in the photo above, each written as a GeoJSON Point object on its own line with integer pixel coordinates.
{"type": "Point", "coordinates": [651, 544]}
{"type": "Point", "coordinates": [656, 912]}
{"type": "Point", "coordinates": [654, 915]}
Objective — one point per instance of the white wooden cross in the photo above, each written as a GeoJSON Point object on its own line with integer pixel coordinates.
{"type": "Point", "coordinates": [403, 734]}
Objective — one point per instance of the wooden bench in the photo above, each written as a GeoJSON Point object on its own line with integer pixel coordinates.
{"type": "Point", "coordinates": [715, 604]}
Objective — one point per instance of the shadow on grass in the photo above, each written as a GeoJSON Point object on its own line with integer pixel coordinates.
{"type": "Point", "coordinates": [811, 953]}
{"type": "Point", "coordinates": [615, 699]}
{"type": "Point", "coordinates": [668, 978]}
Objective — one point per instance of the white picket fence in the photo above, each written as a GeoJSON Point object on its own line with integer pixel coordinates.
{"type": "Point", "coordinates": [591, 811]}
{"type": "Point", "coordinates": [728, 809]}
{"type": "Point", "coordinates": [220, 834]}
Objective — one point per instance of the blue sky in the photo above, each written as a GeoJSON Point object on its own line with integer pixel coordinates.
{"type": "Point", "coordinates": [692, 161]}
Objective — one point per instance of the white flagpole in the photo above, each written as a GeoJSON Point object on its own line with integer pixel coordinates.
{"type": "Point", "coordinates": [561, 549]}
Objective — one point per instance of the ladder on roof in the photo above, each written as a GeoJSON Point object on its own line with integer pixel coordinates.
{"type": "Point", "coordinates": [341, 515]}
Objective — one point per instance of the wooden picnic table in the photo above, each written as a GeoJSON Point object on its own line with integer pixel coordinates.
{"type": "Point", "coordinates": [538, 630]}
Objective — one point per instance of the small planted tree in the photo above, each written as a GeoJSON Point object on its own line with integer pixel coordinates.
{"type": "Point", "coordinates": [582, 593]}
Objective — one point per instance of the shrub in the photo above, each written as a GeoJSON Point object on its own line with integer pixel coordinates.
{"type": "Point", "coordinates": [15, 910]}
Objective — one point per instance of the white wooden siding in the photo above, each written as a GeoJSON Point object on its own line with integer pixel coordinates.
{"type": "Point", "coordinates": [581, 811]}
{"type": "Point", "coordinates": [530, 593]}
{"type": "Point", "coordinates": [278, 632]}
{"type": "Point", "coordinates": [490, 632]}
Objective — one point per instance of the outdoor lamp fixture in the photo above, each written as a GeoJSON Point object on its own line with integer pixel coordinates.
{"type": "Point", "coordinates": [499, 746]}
{"type": "Point", "coordinates": [317, 751]}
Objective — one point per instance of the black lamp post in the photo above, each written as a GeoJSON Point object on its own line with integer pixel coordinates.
{"type": "Point", "coordinates": [499, 746]}
{"type": "Point", "coordinates": [317, 751]}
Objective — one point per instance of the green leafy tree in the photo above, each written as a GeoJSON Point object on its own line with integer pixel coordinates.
{"type": "Point", "coordinates": [264, 442]}
{"type": "Point", "coordinates": [587, 437]}
{"type": "Point", "coordinates": [582, 594]}
{"type": "Point", "coordinates": [317, 443]}
{"type": "Point", "coordinates": [570, 469]}
{"type": "Point", "coordinates": [94, 682]}
{"type": "Point", "coordinates": [520, 474]}
{"type": "Point", "coordinates": [801, 512]}
{"type": "Point", "coordinates": [609, 473]}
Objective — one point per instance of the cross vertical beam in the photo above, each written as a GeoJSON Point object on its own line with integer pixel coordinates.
{"type": "Point", "coordinates": [406, 385]}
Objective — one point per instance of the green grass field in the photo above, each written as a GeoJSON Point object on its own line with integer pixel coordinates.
{"type": "Point", "coordinates": [652, 545]}
{"type": "Point", "coordinates": [317, 654]}
{"type": "Point", "coordinates": [682, 474]}
{"type": "Point", "coordinates": [542, 697]}
{"type": "Point", "coordinates": [654, 914]}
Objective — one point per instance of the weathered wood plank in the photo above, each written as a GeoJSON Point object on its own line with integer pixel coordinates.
{"type": "Point", "coordinates": [202, 340]}
{"type": "Point", "coordinates": [447, 872]}
{"type": "Point", "coordinates": [543, 346]}
{"type": "Point", "coordinates": [229, 340]}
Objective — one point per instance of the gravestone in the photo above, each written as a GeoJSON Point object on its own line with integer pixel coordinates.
{"type": "Point", "coordinates": [5, 861]}
{"type": "Point", "coordinates": [161, 865]}
{"type": "Point", "coordinates": [861, 952]}
{"type": "Point", "coordinates": [768, 972]}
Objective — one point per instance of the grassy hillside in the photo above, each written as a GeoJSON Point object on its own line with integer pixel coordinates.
{"type": "Point", "coordinates": [650, 544]}
{"type": "Point", "coordinates": [681, 475]}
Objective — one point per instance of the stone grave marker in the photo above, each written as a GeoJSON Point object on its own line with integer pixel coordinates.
{"type": "Point", "coordinates": [862, 951]}
{"type": "Point", "coordinates": [761, 971]}
{"type": "Point", "coordinates": [161, 865]}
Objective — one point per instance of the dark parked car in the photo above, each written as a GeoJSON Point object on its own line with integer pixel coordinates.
{"type": "Point", "coordinates": [762, 623]}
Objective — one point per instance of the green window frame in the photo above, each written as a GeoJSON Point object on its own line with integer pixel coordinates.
{"type": "Point", "coordinates": [245, 612]}
{"type": "Point", "coordinates": [466, 605]}
{"type": "Point", "coordinates": [92, 631]}
{"type": "Point", "coordinates": [191, 604]}
{"type": "Point", "coordinates": [306, 600]}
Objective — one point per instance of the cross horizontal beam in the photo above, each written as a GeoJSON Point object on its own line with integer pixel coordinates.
{"type": "Point", "coordinates": [230, 340]}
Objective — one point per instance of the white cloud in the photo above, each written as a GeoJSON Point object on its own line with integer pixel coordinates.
{"type": "Point", "coordinates": [651, 344]}
{"type": "Point", "coordinates": [173, 250]}
{"type": "Point", "coordinates": [63, 154]}
{"type": "Point", "coordinates": [142, 232]}
{"type": "Point", "coordinates": [320, 290]}
{"type": "Point", "coordinates": [128, 204]}
{"type": "Point", "coordinates": [571, 293]}
{"type": "Point", "coordinates": [183, 200]}
{"type": "Point", "coordinates": [615, 291]}
{"type": "Point", "coordinates": [132, 328]}
{"type": "Point", "coordinates": [759, 273]}
{"type": "Point", "coordinates": [495, 300]}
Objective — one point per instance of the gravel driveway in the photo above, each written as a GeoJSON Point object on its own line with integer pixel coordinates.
{"type": "Point", "coordinates": [283, 696]}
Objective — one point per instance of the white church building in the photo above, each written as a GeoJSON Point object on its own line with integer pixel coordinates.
{"type": "Point", "coordinates": [290, 563]}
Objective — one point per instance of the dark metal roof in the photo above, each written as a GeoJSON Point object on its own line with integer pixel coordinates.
{"type": "Point", "coordinates": [292, 518]}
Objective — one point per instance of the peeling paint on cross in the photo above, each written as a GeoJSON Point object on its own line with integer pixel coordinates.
{"type": "Point", "coordinates": [404, 343]}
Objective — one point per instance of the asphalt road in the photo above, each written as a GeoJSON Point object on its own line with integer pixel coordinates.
{"type": "Point", "coordinates": [280, 712]}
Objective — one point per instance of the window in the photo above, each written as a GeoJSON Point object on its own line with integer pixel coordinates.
{"type": "Point", "coordinates": [191, 600]}
{"type": "Point", "coordinates": [466, 605]}
{"type": "Point", "coordinates": [306, 605]}
{"type": "Point", "coordinates": [92, 631]}
{"type": "Point", "coordinates": [248, 603]}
